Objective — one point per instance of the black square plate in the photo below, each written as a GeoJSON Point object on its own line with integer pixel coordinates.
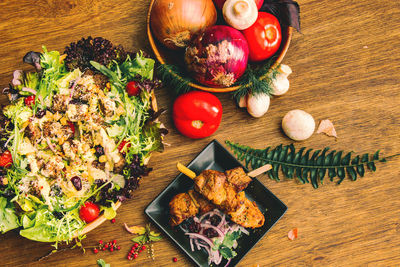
{"type": "Point", "coordinates": [215, 156]}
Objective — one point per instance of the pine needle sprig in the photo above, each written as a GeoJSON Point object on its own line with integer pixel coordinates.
{"type": "Point", "coordinates": [307, 165]}
{"type": "Point", "coordinates": [257, 79]}
{"type": "Point", "coordinates": [175, 78]}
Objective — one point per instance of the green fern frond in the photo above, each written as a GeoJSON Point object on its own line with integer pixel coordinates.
{"type": "Point", "coordinates": [307, 165]}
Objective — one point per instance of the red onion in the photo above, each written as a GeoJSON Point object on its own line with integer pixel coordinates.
{"type": "Point", "coordinates": [202, 237]}
{"type": "Point", "coordinates": [218, 57]}
{"type": "Point", "coordinates": [29, 90]}
{"type": "Point", "coordinates": [206, 225]}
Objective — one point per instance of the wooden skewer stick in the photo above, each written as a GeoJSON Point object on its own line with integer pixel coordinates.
{"type": "Point", "coordinates": [260, 170]}
{"type": "Point", "coordinates": [188, 172]}
{"type": "Point", "coordinates": [185, 170]}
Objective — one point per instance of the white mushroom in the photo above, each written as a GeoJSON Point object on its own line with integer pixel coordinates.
{"type": "Point", "coordinates": [257, 105]}
{"type": "Point", "coordinates": [240, 14]}
{"type": "Point", "coordinates": [298, 125]}
{"type": "Point", "coordinates": [281, 83]}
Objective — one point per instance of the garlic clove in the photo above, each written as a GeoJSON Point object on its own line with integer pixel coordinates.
{"type": "Point", "coordinates": [257, 105]}
{"type": "Point", "coordinates": [243, 102]}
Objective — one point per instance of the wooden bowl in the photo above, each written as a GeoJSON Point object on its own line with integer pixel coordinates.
{"type": "Point", "coordinates": [165, 55]}
{"type": "Point", "coordinates": [90, 226]}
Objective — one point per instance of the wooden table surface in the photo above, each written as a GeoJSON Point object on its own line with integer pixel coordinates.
{"type": "Point", "coordinates": [346, 67]}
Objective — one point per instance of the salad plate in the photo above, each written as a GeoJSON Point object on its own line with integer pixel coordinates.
{"type": "Point", "coordinates": [215, 156]}
{"type": "Point", "coordinates": [76, 138]}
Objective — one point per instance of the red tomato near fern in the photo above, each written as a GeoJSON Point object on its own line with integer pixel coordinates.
{"type": "Point", "coordinates": [89, 212]}
{"type": "Point", "coordinates": [197, 114]}
{"type": "Point", "coordinates": [264, 37]}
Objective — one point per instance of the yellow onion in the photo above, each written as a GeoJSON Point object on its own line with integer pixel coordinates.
{"type": "Point", "coordinates": [174, 22]}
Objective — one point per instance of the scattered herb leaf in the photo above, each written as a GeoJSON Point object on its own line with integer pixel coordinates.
{"type": "Point", "coordinates": [102, 263]}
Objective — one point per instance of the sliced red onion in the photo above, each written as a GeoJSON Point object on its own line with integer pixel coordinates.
{"type": "Point", "coordinates": [30, 90]}
{"type": "Point", "coordinates": [222, 222]}
{"type": "Point", "coordinates": [17, 75]}
{"type": "Point", "coordinates": [191, 244]}
{"type": "Point", "coordinates": [9, 139]}
{"type": "Point", "coordinates": [229, 261]}
{"type": "Point", "coordinates": [219, 259]}
{"type": "Point", "coordinates": [206, 225]}
{"type": "Point", "coordinates": [202, 237]}
{"type": "Point", "coordinates": [196, 242]}
{"type": "Point", "coordinates": [205, 215]}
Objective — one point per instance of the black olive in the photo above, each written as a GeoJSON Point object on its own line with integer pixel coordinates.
{"type": "Point", "coordinates": [210, 233]}
{"type": "Point", "coordinates": [99, 150]}
{"type": "Point", "coordinates": [40, 113]}
{"type": "Point", "coordinates": [76, 181]}
{"type": "Point", "coordinates": [215, 220]}
{"type": "Point", "coordinates": [58, 215]}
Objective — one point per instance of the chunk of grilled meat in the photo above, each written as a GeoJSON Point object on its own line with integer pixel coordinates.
{"type": "Point", "coordinates": [223, 192]}
{"type": "Point", "coordinates": [237, 178]}
{"type": "Point", "coordinates": [186, 205]}
{"type": "Point", "coordinates": [248, 215]}
{"type": "Point", "coordinates": [203, 204]}
{"type": "Point", "coordinates": [181, 208]}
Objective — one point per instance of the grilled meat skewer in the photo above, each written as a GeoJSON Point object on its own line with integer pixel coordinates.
{"type": "Point", "coordinates": [221, 189]}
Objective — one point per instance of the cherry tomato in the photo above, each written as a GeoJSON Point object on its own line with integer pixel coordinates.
{"type": "Point", "coordinates": [89, 212]}
{"type": "Point", "coordinates": [264, 37]}
{"type": "Point", "coordinates": [197, 114]}
{"type": "Point", "coordinates": [6, 159]}
{"type": "Point", "coordinates": [30, 101]}
{"type": "Point", "coordinates": [72, 126]}
{"type": "Point", "coordinates": [132, 88]}
{"type": "Point", "coordinates": [122, 145]}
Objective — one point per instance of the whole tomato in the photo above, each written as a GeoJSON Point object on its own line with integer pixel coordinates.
{"type": "Point", "coordinates": [264, 37]}
{"type": "Point", "coordinates": [197, 114]}
{"type": "Point", "coordinates": [89, 212]}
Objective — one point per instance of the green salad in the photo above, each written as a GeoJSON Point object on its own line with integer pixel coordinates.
{"type": "Point", "coordinates": [78, 133]}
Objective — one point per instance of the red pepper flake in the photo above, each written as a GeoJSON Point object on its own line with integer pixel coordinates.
{"type": "Point", "coordinates": [292, 235]}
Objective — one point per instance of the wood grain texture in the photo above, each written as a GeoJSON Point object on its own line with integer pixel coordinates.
{"type": "Point", "coordinates": [346, 67]}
